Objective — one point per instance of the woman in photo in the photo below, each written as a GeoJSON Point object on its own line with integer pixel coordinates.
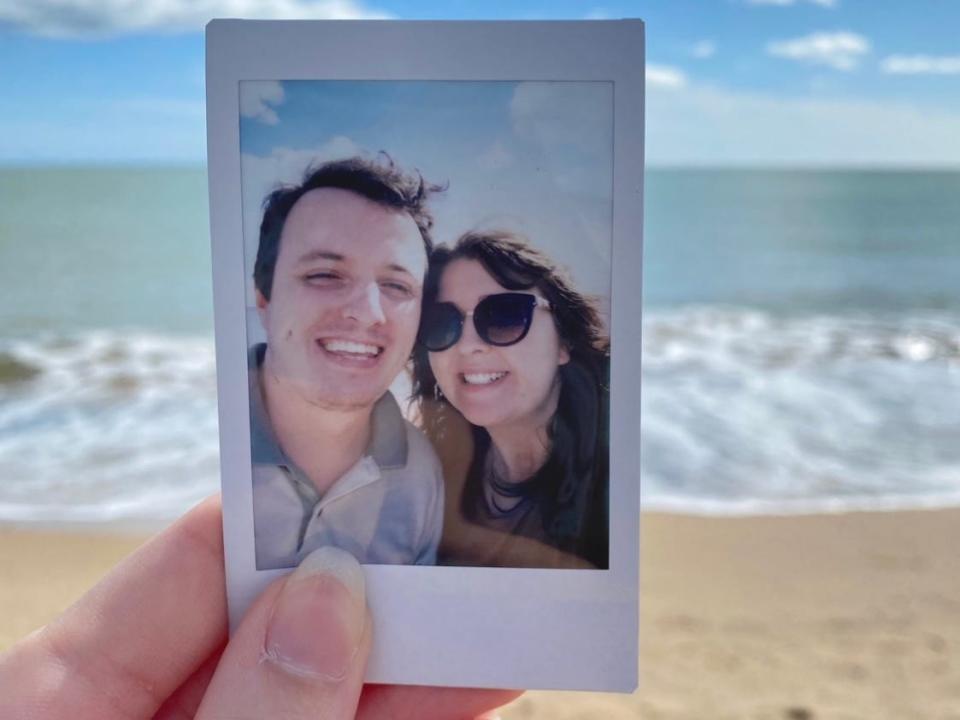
{"type": "Point", "coordinates": [511, 375]}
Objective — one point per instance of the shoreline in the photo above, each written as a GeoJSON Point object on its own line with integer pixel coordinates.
{"type": "Point", "coordinates": [850, 615]}
{"type": "Point", "coordinates": [120, 529]}
{"type": "Point", "coordinates": [679, 507]}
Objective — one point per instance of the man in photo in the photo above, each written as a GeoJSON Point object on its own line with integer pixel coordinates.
{"type": "Point", "coordinates": [339, 278]}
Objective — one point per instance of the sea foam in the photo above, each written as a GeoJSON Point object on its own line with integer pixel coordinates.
{"type": "Point", "coordinates": [107, 426]}
{"type": "Point", "coordinates": [743, 412]}
{"type": "Point", "coordinates": [750, 412]}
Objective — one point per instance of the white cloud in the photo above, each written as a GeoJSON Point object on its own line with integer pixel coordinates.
{"type": "Point", "coordinates": [921, 65]}
{"type": "Point", "coordinates": [711, 126]}
{"type": "Point", "coordinates": [71, 18]}
{"type": "Point", "coordinates": [665, 76]}
{"type": "Point", "coordinates": [256, 97]}
{"type": "Point", "coordinates": [840, 50]}
{"type": "Point", "coordinates": [703, 49]}
{"type": "Point", "coordinates": [787, 3]}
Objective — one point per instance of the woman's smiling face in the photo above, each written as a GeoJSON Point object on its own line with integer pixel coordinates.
{"type": "Point", "coordinates": [497, 387]}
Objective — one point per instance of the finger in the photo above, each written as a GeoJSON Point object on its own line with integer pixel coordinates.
{"type": "Point", "coordinates": [132, 639]}
{"type": "Point", "coordinates": [409, 702]}
{"type": "Point", "coordinates": [301, 650]}
{"type": "Point", "coordinates": [183, 704]}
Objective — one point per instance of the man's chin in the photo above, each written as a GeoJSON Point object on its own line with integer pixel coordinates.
{"type": "Point", "coordinates": [344, 402]}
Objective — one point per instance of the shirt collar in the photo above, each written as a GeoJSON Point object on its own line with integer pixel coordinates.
{"type": "Point", "coordinates": [388, 436]}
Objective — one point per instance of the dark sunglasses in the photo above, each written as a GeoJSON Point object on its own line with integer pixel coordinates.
{"type": "Point", "coordinates": [502, 319]}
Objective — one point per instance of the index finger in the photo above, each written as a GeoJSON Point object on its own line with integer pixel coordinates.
{"type": "Point", "coordinates": [135, 637]}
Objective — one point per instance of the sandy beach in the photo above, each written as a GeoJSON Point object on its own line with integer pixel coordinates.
{"type": "Point", "coordinates": [825, 616]}
{"type": "Point", "coordinates": [794, 618]}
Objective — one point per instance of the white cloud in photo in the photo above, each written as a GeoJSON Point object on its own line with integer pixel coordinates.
{"type": "Point", "coordinates": [711, 126]}
{"type": "Point", "coordinates": [665, 76]}
{"type": "Point", "coordinates": [496, 157]}
{"type": "Point", "coordinates": [703, 49]}
{"type": "Point", "coordinates": [549, 180]}
{"type": "Point", "coordinates": [99, 18]}
{"type": "Point", "coordinates": [287, 165]}
{"type": "Point", "coordinates": [578, 114]}
{"type": "Point", "coordinates": [257, 97]}
{"type": "Point", "coordinates": [839, 50]}
{"type": "Point", "coordinates": [921, 65]}
{"type": "Point", "coordinates": [788, 3]}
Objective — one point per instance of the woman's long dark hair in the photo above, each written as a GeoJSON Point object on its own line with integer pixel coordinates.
{"type": "Point", "coordinates": [571, 487]}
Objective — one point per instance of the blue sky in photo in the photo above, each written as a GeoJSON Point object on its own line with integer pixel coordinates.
{"type": "Point", "coordinates": [532, 157]}
{"type": "Point", "coordinates": [746, 82]}
{"type": "Point", "coordinates": [313, 112]}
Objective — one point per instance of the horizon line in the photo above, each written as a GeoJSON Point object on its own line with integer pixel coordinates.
{"type": "Point", "coordinates": [143, 164]}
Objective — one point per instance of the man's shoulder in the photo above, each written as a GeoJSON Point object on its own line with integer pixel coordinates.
{"type": "Point", "coordinates": [422, 459]}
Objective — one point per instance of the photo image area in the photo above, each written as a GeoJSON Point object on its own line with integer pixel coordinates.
{"type": "Point", "coordinates": [523, 178]}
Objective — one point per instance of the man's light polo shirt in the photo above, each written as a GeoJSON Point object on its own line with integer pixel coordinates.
{"type": "Point", "coordinates": [386, 509]}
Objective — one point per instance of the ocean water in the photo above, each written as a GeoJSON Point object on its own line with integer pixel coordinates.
{"type": "Point", "coordinates": [801, 342]}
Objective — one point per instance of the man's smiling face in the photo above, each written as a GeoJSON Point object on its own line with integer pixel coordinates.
{"type": "Point", "coordinates": [344, 306]}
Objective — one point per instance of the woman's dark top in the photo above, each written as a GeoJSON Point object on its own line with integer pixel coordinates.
{"type": "Point", "coordinates": [563, 507]}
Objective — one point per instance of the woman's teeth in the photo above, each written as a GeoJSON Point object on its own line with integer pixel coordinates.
{"type": "Point", "coordinates": [350, 347]}
{"type": "Point", "coordinates": [482, 378]}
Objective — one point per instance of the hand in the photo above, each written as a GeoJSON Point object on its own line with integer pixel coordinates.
{"type": "Point", "coordinates": [150, 641]}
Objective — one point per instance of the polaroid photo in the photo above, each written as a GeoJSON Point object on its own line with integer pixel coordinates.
{"type": "Point", "coordinates": [427, 278]}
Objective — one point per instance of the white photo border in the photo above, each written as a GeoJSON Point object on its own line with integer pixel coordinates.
{"type": "Point", "coordinates": [450, 626]}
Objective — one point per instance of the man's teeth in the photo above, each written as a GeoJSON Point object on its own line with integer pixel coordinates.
{"type": "Point", "coordinates": [347, 346]}
{"type": "Point", "coordinates": [482, 378]}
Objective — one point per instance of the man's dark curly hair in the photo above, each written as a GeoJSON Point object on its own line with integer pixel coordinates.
{"type": "Point", "coordinates": [379, 180]}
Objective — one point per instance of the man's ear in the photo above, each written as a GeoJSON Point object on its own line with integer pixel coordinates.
{"type": "Point", "coordinates": [262, 304]}
{"type": "Point", "coordinates": [564, 355]}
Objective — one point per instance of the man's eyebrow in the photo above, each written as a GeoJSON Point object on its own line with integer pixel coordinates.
{"type": "Point", "coordinates": [398, 268]}
{"type": "Point", "coordinates": [320, 255]}
{"type": "Point", "coordinates": [314, 255]}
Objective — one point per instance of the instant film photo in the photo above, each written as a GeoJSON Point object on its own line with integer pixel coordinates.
{"type": "Point", "coordinates": [427, 275]}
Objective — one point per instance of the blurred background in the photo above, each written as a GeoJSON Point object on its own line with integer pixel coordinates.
{"type": "Point", "coordinates": [801, 273]}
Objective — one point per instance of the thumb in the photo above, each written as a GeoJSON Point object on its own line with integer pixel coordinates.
{"type": "Point", "coordinates": [301, 649]}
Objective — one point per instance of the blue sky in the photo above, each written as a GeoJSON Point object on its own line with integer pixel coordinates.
{"type": "Point", "coordinates": [768, 82]}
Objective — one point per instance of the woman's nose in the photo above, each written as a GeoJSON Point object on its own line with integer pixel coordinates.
{"type": "Point", "coordinates": [470, 341]}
